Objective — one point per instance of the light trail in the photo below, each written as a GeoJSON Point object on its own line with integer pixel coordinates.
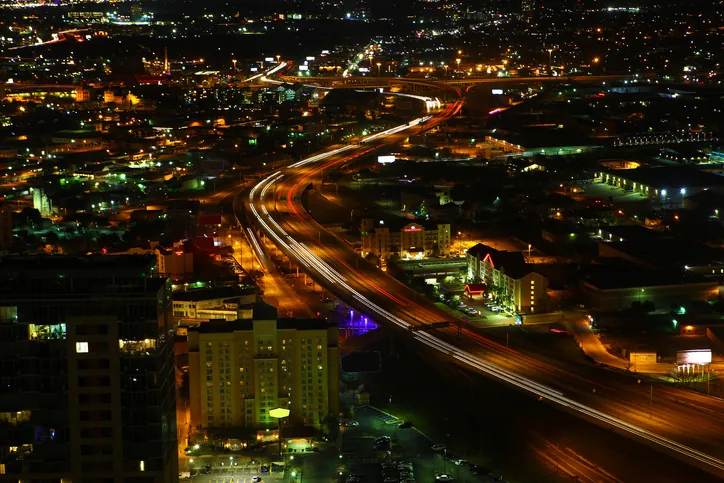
{"type": "Point", "coordinates": [308, 258]}
{"type": "Point", "coordinates": [263, 75]}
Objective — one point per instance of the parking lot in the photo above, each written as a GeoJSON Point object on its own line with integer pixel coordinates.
{"type": "Point", "coordinates": [408, 457]}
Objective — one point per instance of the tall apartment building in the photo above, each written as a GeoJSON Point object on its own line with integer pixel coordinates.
{"type": "Point", "coordinates": [413, 240]}
{"type": "Point", "coordinates": [87, 377]}
{"type": "Point", "coordinates": [240, 370]}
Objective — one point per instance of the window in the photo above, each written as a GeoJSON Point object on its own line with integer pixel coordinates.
{"type": "Point", "coordinates": [81, 347]}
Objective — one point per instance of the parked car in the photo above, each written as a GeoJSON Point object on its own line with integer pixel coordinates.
{"type": "Point", "coordinates": [444, 478]}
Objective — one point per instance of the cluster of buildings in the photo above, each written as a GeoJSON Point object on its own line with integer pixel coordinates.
{"type": "Point", "coordinates": [91, 348]}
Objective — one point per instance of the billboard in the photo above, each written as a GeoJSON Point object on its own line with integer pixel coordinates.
{"type": "Point", "coordinates": [695, 356]}
{"type": "Point", "coordinates": [497, 92]}
{"type": "Point", "coordinates": [269, 59]}
{"type": "Point", "coordinates": [385, 159]}
{"type": "Point", "coordinates": [303, 67]}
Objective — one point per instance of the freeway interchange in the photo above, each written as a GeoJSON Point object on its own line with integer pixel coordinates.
{"type": "Point", "coordinates": [685, 425]}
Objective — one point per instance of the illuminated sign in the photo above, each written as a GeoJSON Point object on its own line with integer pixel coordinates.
{"type": "Point", "coordinates": [364, 69]}
{"type": "Point", "coordinates": [413, 228]}
{"type": "Point", "coordinates": [696, 356]}
{"type": "Point", "coordinates": [303, 67]}
{"type": "Point", "coordinates": [385, 159]}
{"type": "Point", "coordinates": [497, 92]}
{"type": "Point", "coordinates": [269, 59]}
{"type": "Point", "coordinates": [311, 58]}
{"type": "Point", "coordinates": [254, 69]}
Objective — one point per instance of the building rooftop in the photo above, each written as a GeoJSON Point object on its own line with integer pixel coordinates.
{"type": "Point", "coordinates": [43, 275]}
{"type": "Point", "coordinates": [50, 266]}
{"type": "Point", "coordinates": [513, 263]}
{"type": "Point", "coordinates": [212, 293]}
{"type": "Point", "coordinates": [671, 177]}
{"type": "Point", "coordinates": [215, 327]}
{"type": "Point", "coordinates": [617, 273]}
{"type": "Point", "coordinates": [673, 253]}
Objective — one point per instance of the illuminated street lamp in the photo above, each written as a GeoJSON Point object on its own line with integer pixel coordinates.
{"type": "Point", "coordinates": [379, 64]}
{"type": "Point", "coordinates": [458, 62]}
{"type": "Point", "coordinates": [279, 413]}
{"type": "Point", "coordinates": [445, 69]}
{"type": "Point", "coordinates": [233, 61]}
{"type": "Point", "coordinates": [278, 58]}
{"type": "Point", "coordinates": [596, 60]}
{"type": "Point", "coordinates": [550, 60]}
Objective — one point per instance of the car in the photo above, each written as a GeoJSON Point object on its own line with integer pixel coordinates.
{"type": "Point", "coordinates": [184, 475]}
{"type": "Point", "coordinates": [405, 424]}
{"type": "Point", "coordinates": [349, 424]}
{"type": "Point", "coordinates": [438, 447]}
{"type": "Point", "coordinates": [206, 470]}
{"type": "Point", "coordinates": [444, 478]}
{"type": "Point", "coordinates": [495, 308]}
{"type": "Point", "coordinates": [256, 479]}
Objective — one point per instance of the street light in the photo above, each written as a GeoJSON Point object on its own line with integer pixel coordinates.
{"type": "Point", "coordinates": [379, 64]}
{"type": "Point", "coordinates": [458, 62]}
{"type": "Point", "coordinates": [279, 413]}
{"type": "Point", "coordinates": [550, 60]}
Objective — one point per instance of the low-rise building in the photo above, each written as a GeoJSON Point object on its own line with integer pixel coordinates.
{"type": "Point", "coordinates": [192, 307]}
{"type": "Point", "coordinates": [240, 370]}
{"type": "Point", "coordinates": [413, 240]}
{"type": "Point", "coordinates": [618, 284]}
{"type": "Point", "coordinates": [506, 274]}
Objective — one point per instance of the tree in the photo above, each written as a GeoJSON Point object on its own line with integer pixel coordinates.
{"type": "Point", "coordinates": [30, 217]}
{"type": "Point", "coordinates": [51, 237]}
{"type": "Point", "coordinates": [330, 426]}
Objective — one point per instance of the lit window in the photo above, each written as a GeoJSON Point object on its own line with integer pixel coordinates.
{"type": "Point", "coordinates": [81, 347]}
{"type": "Point", "coordinates": [142, 465]}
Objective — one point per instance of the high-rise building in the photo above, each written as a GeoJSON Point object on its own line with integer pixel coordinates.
{"type": "Point", "coordinates": [87, 390]}
{"type": "Point", "coordinates": [527, 9]}
{"type": "Point", "coordinates": [240, 370]}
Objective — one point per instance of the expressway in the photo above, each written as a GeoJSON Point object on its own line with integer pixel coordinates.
{"type": "Point", "coordinates": [681, 424]}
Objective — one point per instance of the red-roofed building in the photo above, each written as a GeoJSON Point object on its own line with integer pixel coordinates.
{"type": "Point", "coordinates": [508, 276]}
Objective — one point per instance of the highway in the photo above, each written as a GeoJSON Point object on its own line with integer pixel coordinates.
{"type": "Point", "coordinates": [685, 425]}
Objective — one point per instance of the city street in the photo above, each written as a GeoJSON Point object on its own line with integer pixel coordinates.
{"type": "Point", "coordinates": [626, 406]}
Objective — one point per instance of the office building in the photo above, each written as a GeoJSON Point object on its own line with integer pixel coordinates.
{"type": "Point", "coordinates": [514, 282]}
{"type": "Point", "coordinates": [87, 368]}
{"type": "Point", "coordinates": [413, 240]}
{"type": "Point", "coordinates": [527, 9]}
{"type": "Point", "coordinates": [239, 371]}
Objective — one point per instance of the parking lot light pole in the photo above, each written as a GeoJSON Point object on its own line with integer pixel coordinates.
{"type": "Point", "coordinates": [279, 414]}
